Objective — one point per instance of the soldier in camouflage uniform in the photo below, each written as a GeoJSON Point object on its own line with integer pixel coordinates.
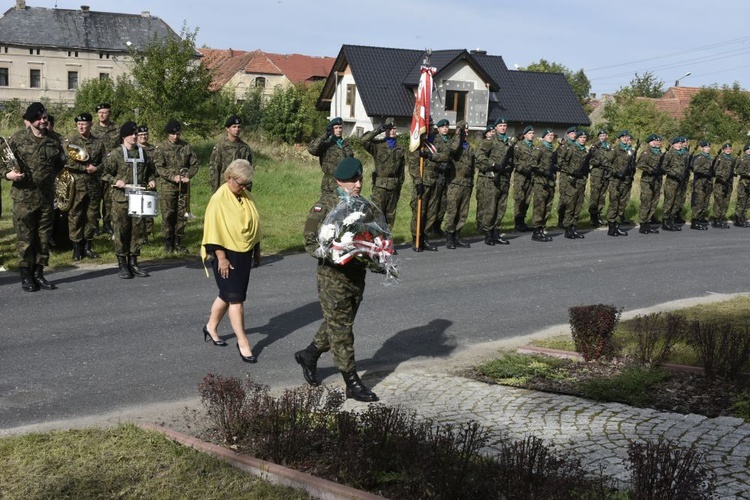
{"type": "Point", "coordinates": [674, 166]}
{"type": "Point", "coordinates": [702, 186]}
{"type": "Point", "coordinates": [83, 217]}
{"type": "Point", "coordinates": [523, 154]}
{"type": "Point", "coordinates": [563, 158]}
{"type": "Point", "coordinates": [117, 172]}
{"type": "Point", "coordinates": [33, 191]}
{"type": "Point", "coordinates": [108, 133]}
{"type": "Point", "coordinates": [176, 164]}
{"type": "Point", "coordinates": [143, 141]}
{"type": "Point", "coordinates": [340, 290]}
{"type": "Point", "coordinates": [573, 183]}
{"type": "Point", "coordinates": [388, 174]}
{"type": "Point", "coordinates": [461, 182]}
{"type": "Point", "coordinates": [494, 164]}
{"type": "Point", "coordinates": [601, 154]}
{"type": "Point", "coordinates": [619, 191]}
{"type": "Point", "coordinates": [649, 163]}
{"type": "Point", "coordinates": [743, 188]}
{"type": "Point", "coordinates": [723, 183]}
{"type": "Point", "coordinates": [544, 168]}
{"type": "Point", "coordinates": [225, 152]}
{"type": "Point", "coordinates": [330, 148]}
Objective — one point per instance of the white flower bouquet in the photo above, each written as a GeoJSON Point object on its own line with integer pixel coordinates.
{"type": "Point", "coordinates": [356, 230]}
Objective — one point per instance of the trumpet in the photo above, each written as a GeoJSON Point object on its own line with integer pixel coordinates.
{"type": "Point", "coordinates": [183, 198]}
{"type": "Point", "coordinates": [77, 153]}
{"type": "Point", "coordinates": [7, 156]}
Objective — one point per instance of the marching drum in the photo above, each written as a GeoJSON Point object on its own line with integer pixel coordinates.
{"type": "Point", "coordinates": [141, 203]}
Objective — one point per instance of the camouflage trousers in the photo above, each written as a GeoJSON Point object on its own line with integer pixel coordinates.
{"type": "Point", "coordinates": [492, 199]}
{"type": "Point", "coordinates": [457, 209]}
{"type": "Point", "coordinates": [743, 200]}
{"type": "Point", "coordinates": [544, 194]}
{"type": "Point", "coordinates": [722, 194]}
{"type": "Point", "coordinates": [430, 206]}
{"type": "Point", "coordinates": [650, 193]}
{"type": "Point", "coordinates": [340, 293]}
{"type": "Point", "coordinates": [33, 225]}
{"type": "Point", "coordinates": [441, 191]}
{"type": "Point", "coordinates": [573, 191]}
{"type": "Point", "coordinates": [106, 199]}
{"type": "Point", "coordinates": [598, 186]}
{"type": "Point", "coordinates": [682, 194]}
{"type": "Point", "coordinates": [521, 194]}
{"type": "Point", "coordinates": [172, 209]}
{"type": "Point", "coordinates": [671, 208]}
{"type": "Point", "coordinates": [619, 195]}
{"type": "Point", "coordinates": [702, 189]}
{"type": "Point", "coordinates": [129, 231]}
{"type": "Point", "coordinates": [387, 201]}
{"type": "Point", "coordinates": [83, 217]}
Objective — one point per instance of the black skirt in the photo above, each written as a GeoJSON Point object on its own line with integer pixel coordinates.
{"type": "Point", "coordinates": [232, 289]}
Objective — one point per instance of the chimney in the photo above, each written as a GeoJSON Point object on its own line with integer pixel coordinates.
{"type": "Point", "coordinates": [231, 52]}
{"type": "Point", "coordinates": [145, 13]}
{"type": "Point", "coordinates": [21, 4]}
{"type": "Point", "coordinates": [85, 9]}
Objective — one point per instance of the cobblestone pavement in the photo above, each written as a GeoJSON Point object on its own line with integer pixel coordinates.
{"type": "Point", "coordinates": [598, 433]}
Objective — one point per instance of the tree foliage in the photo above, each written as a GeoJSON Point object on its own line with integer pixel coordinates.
{"type": "Point", "coordinates": [646, 85]}
{"type": "Point", "coordinates": [719, 115]}
{"type": "Point", "coordinates": [578, 80]}
{"type": "Point", "coordinates": [640, 117]}
{"type": "Point", "coordinates": [290, 114]}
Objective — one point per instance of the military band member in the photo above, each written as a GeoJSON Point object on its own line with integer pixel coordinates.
{"type": "Point", "coordinates": [601, 153]}
{"type": "Point", "coordinates": [330, 148]}
{"type": "Point", "coordinates": [120, 167]}
{"type": "Point", "coordinates": [619, 189]}
{"type": "Point", "coordinates": [743, 188]}
{"type": "Point", "coordinates": [143, 141]}
{"type": "Point", "coordinates": [40, 159]}
{"type": "Point", "coordinates": [702, 186]}
{"type": "Point", "coordinates": [544, 168]}
{"type": "Point", "coordinates": [460, 184]}
{"type": "Point", "coordinates": [573, 183]}
{"type": "Point", "coordinates": [649, 163]}
{"type": "Point", "coordinates": [723, 182]}
{"type": "Point", "coordinates": [108, 133]}
{"type": "Point", "coordinates": [388, 174]}
{"type": "Point", "coordinates": [674, 166]}
{"type": "Point", "coordinates": [522, 180]}
{"type": "Point", "coordinates": [494, 165]}
{"type": "Point", "coordinates": [176, 165]}
{"type": "Point", "coordinates": [230, 148]}
{"type": "Point", "coordinates": [83, 217]}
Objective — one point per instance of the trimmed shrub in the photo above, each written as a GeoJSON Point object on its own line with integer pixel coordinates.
{"type": "Point", "coordinates": [592, 328]}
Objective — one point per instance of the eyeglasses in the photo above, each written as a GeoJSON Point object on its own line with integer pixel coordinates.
{"type": "Point", "coordinates": [247, 185]}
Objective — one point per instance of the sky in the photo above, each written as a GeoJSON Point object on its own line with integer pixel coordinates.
{"type": "Point", "coordinates": [611, 44]}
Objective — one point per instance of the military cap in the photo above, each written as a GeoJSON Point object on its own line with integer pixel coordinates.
{"type": "Point", "coordinates": [104, 105]}
{"type": "Point", "coordinates": [601, 131]}
{"type": "Point", "coordinates": [703, 144]}
{"type": "Point", "coordinates": [34, 112]}
{"type": "Point", "coordinates": [726, 145]}
{"type": "Point", "coordinates": [528, 129]}
{"type": "Point", "coordinates": [51, 119]}
{"type": "Point", "coordinates": [623, 133]}
{"type": "Point", "coordinates": [172, 127]}
{"type": "Point", "coordinates": [489, 127]}
{"type": "Point", "coordinates": [335, 121]}
{"type": "Point", "coordinates": [128, 129]}
{"type": "Point", "coordinates": [233, 120]}
{"type": "Point", "coordinates": [580, 133]}
{"type": "Point", "coordinates": [500, 121]}
{"type": "Point", "coordinates": [348, 169]}
{"type": "Point", "coordinates": [142, 129]}
{"type": "Point", "coordinates": [442, 123]}
{"type": "Point", "coordinates": [572, 129]}
{"type": "Point", "coordinates": [746, 147]}
{"type": "Point", "coordinates": [84, 117]}
{"type": "Point", "coordinates": [548, 131]}
{"type": "Point", "coordinates": [676, 140]}
{"type": "Point", "coordinates": [653, 137]}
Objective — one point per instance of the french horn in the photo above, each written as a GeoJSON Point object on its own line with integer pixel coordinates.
{"type": "Point", "coordinates": [77, 153]}
{"type": "Point", "coordinates": [65, 190]}
{"type": "Point", "coordinates": [7, 157]}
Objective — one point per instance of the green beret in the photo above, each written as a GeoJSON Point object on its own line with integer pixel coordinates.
{"type": "Point", "coordinates": [104, 105]}
{"type": "Point", "coordinates": [580, 133]}
{"type": "Point", "coordinates": [653, 137]}
{"type": "Point", "coordinates": [172, 127]}
{"type": "Point", "coordinates": [489, 127]}
{"type": "Point", "coordinates": [528, 129]}
{"type": "Point", "coordinates": [623, 133]}
{"type": "Point", "coordinates": [348, 169]}
{"type": "Point", "coordinates": [676, 140]}
{"type": "Point", "coordinates": [548, 131]}
{"type": "Point", "coordinates": [746, 147]}
{"type": "Point", "coordinates": [601, 131]}
{"type": "Point", "coordinates": [335, 121]}
{"type": "Point", "coordinates": [703, 144]}
{"type": "Point", "coordinates": [726, 145]}
{"type": "Point", "coordinates": [500, 121]}
{"type": "Point", "coordinates": [442, 123]}
{"type": "Point", "coordinates": [572, 129]}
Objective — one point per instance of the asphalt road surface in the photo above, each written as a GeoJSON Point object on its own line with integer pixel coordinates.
{"type": "Point", "coordinates": [100, 344]}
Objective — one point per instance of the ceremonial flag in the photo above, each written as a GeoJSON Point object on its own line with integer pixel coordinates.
{"type": "Point", "coordinates": [420, 121]}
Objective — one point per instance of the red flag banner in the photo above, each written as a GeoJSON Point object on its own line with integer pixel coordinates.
{"type": "Point", "coordinates": [421, 118]}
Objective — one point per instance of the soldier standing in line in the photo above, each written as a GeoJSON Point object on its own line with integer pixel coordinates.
{"type": "Point", "coordinates": [83, 217]}
{"type": "Point", "coordinates": [143, 137]}
{"type": "Point", "coordinates": [176, 164]}
{"type": "Point", "coordinates": [544, 168]}
{"type": "Point", "coordinates": [575, 169]}
{"type": "Point", "coordinates": [743, 188]}
{"type": "Point", "coordinates": [461, 182]}
{"type": "Point", "coordinates": [522, 182]}
{"type": "Point", "coordinates": [601, 153]}
{"type": "Point", "coordinates": [118, 171]}
{"type": "Point", "coordinates": [107, 132]}
{"type": "Point", "coordinates": [388, 174]}
{"type": "Point", "coordinates": [675, 170]}
{"type": "Point", "coordinates": [340, 290]}
{"type": "Point", "coordinates": [330, 148]}
{"type": "Point", "coordinates": [436, 213]}
{"type": "Point", "coordinates": [702, 186]}
{"type": "Point", "coordinates": [682, 193]}
{"type": "Point", "coordinates": [230, 148]}
{"type": "Point", "coordinates": [723, 182]}
{"type": "Point", "coordinates": [619, 193]}
{"type": "Point", "coordinates": [40, 158]}
{"type": "Point", "coordinates": [563, 159]}
{"type": "Point", "coordinates": [649, 163]}
{"type": "Point", "coordinates": [494, 164]}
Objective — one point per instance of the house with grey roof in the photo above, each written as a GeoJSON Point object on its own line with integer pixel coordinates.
{"type": "Point", "coordinates": [368, 84]}
{"type": "Point", "coordinates": [47, 53]}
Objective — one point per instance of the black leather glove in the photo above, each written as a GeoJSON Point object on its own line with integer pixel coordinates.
{"type": "Point", "coordinates": [420, 189]}
{"type": "Point", "coordinates": [382, 129]}
{"type": "Point", "coordinates": [374, 176]}
{"type": "Point", "coordinates": [425, 153]}
{"type": "Point", "coordinates": [329, 130]}
{"type": "Point", "coordinates": [551, 175]}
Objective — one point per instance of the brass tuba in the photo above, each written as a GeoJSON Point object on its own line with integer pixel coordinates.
{"type": "Point", "coordinates": [65, 190]}
{"type": "Point", "coordinates": [7, 156]}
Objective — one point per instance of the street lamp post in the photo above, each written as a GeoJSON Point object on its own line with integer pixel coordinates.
{"type": "Point", "coordinates": [677, 82]}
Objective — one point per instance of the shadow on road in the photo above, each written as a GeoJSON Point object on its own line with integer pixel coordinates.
{"type": "Point", "coordinates": [282, 325]}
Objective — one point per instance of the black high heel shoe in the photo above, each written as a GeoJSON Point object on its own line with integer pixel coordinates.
{"type": "Point", "coordinates": [207, 336]}
{"type": "Point", "coordinates": [247, 359]}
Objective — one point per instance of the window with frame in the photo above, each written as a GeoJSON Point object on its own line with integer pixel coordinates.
{"type": "Point", "coordinates": [72, 80]}
{"type": "Point", "coordinates": [4, 77]}
{"type": "Point", "coordinates": [260, 82]}
{"type": "Point", "coordinates": [103, 76]}
{"type": "Point", "coordinates": [351, 98]}
{"type": "Point", "coordinates": [35, 78]}
{"type": "Point", "coordinates": [456, 101]}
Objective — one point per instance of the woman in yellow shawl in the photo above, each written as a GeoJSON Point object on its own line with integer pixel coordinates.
{"type": "Point", "coordinates": [230, 233]}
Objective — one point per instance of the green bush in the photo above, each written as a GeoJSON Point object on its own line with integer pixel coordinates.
{"type": "Point", "coordinates": [633, 385]}
{"type": "Point", "coordinates": [655, 336]}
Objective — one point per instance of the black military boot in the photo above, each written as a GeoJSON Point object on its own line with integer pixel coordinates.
{"type": "Point", "coordinates": [695, 224]}
{"type": "Point", "coordinates": [107, 228]}
{"type": "Point", "coordinates": [611, 229]}
{"type": "Point", "coordinates": [41, 280]}
{"type": "Point", "coordinates": [576, 233]}
{"type": "Point", "coordinates": [88, 251]}
{"type": "Point", "coordinates": [595, 222]}
{"type": "Point", "coordinates": [489, 239]}
{"type": "Point", "coordinates": [538, 235]}
{"type": "Point", "coordinates": [308, 360]}
{"type": "Point", "coordinates": [135, 268]}
{"type": "Point", "coordinates": [77, 250]}
{"type": "Point", "coordinates": [355, 389]}
{"type": "Point", "coordinates": [569, 233]}
{"type": "Point", "coordinates": [27, 281]}
{"type": "Point", "coordinates": [124, 272]}
{"type": "Point", "coordinates": [620, 232]}
{"type": "Point", "coordinates": [178, 248]}
{"type": "Point", "coordinates": [169, 244]}
{"type": "Point", "coordinates": [499, 239]}
{"type": "Point", "coordinates": [450, 241]}
{"type": "Point", "coordinates": [427, 246]}
{"type": "Point", "coordinates": [458, 241]}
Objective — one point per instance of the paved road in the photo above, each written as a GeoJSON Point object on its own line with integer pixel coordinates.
{"type": "Point", "coordinates": [101, 344]}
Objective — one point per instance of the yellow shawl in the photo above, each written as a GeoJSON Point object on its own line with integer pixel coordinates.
{"type": "Point", "coordinates": [230, 222]}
